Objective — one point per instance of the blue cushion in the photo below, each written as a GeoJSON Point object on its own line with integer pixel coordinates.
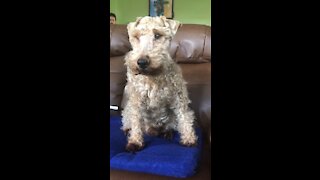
{"type": "Point", "coordinates": [159, 156]}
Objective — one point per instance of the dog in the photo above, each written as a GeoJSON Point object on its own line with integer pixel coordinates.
{"type": "Point", "coordinates": [158, 101]}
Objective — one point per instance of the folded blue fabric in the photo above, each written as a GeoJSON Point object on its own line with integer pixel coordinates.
{"type": "Point", "coordinates": [159, 156]}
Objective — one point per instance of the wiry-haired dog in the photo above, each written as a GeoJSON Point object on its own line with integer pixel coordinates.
{"type": "Point", "coordinates": [157, 94]}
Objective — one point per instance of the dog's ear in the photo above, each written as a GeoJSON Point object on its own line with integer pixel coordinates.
{"type": "Point", "coordinates": [174, 25]}
{"type": "Point", "coordinates": [138, 20]}
{"type": "Point", "coordinates": [132, 25]}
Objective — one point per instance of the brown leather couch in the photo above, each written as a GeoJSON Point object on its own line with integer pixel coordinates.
{"type": "Point", "coordinates": [191, 49]}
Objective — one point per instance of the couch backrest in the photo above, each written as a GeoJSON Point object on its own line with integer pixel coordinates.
{"type": "Point", "coordinates": [191, 44]}
{"type": "Point", "coordinates": [119, 40]}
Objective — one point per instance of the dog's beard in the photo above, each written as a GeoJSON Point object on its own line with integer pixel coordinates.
{"type": "Point", "coordinates": [149, 71]}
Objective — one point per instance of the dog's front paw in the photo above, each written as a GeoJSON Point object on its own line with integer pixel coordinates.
{"type": "Point", "coordinates": [133, 147]}
{"type": "Point", "coordinates": [189, 143]}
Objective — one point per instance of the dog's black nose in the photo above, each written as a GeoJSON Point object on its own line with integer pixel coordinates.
{"type": "Point", "coordinates": [143, 63]}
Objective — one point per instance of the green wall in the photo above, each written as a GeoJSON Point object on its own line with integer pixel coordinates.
{"type": "Point", "coordinates": [185, 11]}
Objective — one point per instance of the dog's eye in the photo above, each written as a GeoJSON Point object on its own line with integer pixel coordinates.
{"type": "Point", "coordinates": [157, 36]}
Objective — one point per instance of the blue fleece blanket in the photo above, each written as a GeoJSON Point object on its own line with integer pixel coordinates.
{"type": "Point", "coordinates": [159, 156]}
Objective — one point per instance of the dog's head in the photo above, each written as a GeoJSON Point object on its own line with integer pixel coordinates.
{"type": "Point", "coordinates": [150, 39]}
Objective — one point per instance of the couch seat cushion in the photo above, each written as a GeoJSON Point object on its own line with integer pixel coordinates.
{"type": "Point", "coordinates": [159, 156]}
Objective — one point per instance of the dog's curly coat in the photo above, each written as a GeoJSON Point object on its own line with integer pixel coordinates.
{"type": "Point", "coordinates": [157, 94]}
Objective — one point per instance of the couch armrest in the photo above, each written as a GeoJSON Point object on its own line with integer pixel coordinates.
{"type": "Point", "coordinates": [117, 81]}
{"type": "Point", "coordinates": [205, 112]}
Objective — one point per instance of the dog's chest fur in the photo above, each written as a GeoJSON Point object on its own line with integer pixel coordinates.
{"type": "Point", "coordinates": [154, 93]}
{"type": "Point", "coordinates": [156, 98]}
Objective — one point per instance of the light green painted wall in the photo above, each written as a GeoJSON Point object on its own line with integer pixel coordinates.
{"type": "Point", "coordinates": [113, 6]}
{"type": "Point", "coordinates": [193, 11]}
{"type": "Point", "coordinates": [185, 11]}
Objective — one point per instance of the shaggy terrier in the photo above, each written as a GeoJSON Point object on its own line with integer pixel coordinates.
{"type": "Point", "coordinates": [157, 94]}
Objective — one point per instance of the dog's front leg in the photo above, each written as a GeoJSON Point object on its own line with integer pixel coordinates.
{"type": "Point", "coordinates": [135, 136]}
{"type": "Point", "coordinates": [185, 122]}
